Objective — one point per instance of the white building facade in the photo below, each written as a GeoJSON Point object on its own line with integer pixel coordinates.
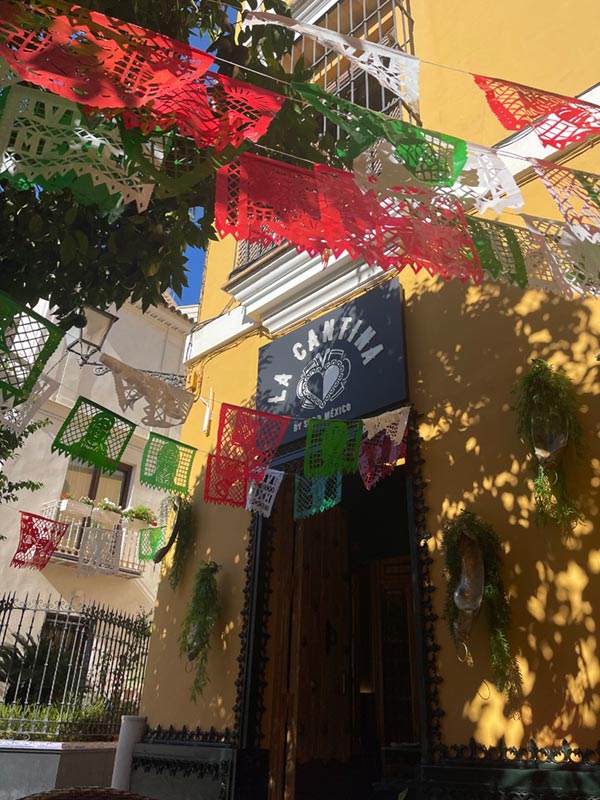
{"type": "Point", "coordinates": [151, 342]}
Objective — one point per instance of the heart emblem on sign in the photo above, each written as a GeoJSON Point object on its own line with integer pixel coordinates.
{"type": "Point", "coordinates": [323, 379]}
{"type": "Point", "coordinates": [331, 379]}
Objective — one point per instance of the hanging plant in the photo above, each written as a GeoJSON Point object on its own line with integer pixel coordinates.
{"type": "Point", "coordinates": [199, 621]}
{"type": "Point", "coordinates": [473, 560]}
{"type": "Point", "coordinates": [182, 533]}
{"type": "Point", "coordinates": [548, 407]}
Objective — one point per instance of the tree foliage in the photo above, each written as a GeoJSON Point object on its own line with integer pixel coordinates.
{"type": "Point", "coordinates": [55, 248]}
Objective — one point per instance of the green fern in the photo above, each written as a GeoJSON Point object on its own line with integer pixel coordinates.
{"type": "Point", "coordinates": [544, 391]}
{"type": "Point", "coordinates": [198, 623]}
{"type": "Point", "coordinates": [505, 670]}
{"type": "Point", "coordinates": [182, 534]}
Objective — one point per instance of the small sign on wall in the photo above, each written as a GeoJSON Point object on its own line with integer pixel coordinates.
{"type": "Point", "coordinates": [345, 364]}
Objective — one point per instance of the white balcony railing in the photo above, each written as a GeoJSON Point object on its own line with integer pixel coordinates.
{"type": "Point", "coordinates": [67, 551]}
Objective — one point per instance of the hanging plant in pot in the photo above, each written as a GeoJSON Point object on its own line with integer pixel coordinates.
{"type": "Point", "coordinates": [548, 407]}
{"type": "Point", "coordinates": [473, 560]}
{"type": "Point", "coordinates": [176, 513]}
{"type": "Point", "coordinates": [199, 622]}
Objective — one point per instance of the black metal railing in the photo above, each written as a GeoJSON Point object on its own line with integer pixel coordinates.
{"type": "Point", "coordinates": [68, 673]}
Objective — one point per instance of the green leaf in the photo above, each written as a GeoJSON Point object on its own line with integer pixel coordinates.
{"type": "Point", "coordinates": [70, 216]}
{"type": "Point", "coordinates": [68, 249]}
{"type": "Point", "coordinates": [36, 224]}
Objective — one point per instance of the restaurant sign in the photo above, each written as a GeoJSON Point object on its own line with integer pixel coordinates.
{"type": "Point", "coordinates": [346, 364]}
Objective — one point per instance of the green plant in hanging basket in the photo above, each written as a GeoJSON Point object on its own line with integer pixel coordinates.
{"type": "Point", "coordinates": [548, 409]}
{"type": "Point", "coordinates": [199, 621]}
{"type": "Point", "coordinates": [182, 534]}
{"type": "Point", "coordinates": [473, 561]}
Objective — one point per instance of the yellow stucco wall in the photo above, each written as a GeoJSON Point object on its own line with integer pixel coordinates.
{"type": "Point", "coordinates": [466, 346]}
{"type": "Point", "coordinates": [549, 45]}
{"type": "Point", "coordinates": [477, 341]}
{"type": "Point", "coordinates": [221, 536]}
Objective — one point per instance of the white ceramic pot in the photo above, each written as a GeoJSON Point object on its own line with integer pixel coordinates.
{"type": "Point", "coordinates": [105, 518]}
{"type": "Point", "coordinates": [73, 509]}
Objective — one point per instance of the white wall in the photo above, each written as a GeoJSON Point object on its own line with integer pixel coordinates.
{"type": "Point", "coordinates": [151, 341]}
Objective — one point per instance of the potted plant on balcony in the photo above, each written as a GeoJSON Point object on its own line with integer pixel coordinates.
{"type": "Point", "coordinates": [106, 514]}
{"type": "Point", "coordinates": [72, 509]}
{"type": "Point", "coordinates": [136, 518]}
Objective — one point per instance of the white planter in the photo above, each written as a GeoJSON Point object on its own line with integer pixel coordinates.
{"type": "Point", "coordinates": [135, 524]}
{"type": "Point", "coordinates": [73, 509]}
{"type": "Point", "coordinates": [105, 518]}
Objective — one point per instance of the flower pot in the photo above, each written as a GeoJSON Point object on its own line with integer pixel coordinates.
{"type": "Point", "coordinates": [73, 509]}
{"type": "Point", "coordinates": [135, 524]}
{"type": "Point", "coordinates": [105, 518]}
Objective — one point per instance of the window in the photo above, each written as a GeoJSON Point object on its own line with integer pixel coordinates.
{"type": "Point", "coordinates": [386, 22]}
{"type": "Point", "coordinates": [65, 644]}
{"type": "Point", "coordinates": [82, 479]}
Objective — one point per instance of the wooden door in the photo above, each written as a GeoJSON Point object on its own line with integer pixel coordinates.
{"type": "Point", "coordinates": [311, 711]}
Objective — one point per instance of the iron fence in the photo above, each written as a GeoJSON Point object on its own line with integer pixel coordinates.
{"type": "Point", "coordinates": [68, 673]}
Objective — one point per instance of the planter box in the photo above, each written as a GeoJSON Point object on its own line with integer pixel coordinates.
{"type": "Point", "coordinates": [135, 524]}
{"type": "Point", "coordinates": [73, 509]}
{"type": "Point", "coordinates": [105, 518]}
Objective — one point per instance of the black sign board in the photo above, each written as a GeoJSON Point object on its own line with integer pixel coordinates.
{"type": "Point", "coordinates": [346, 364]}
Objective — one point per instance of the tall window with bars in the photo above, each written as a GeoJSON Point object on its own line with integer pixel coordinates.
{"type": "Point", "coordinates": [386, 22]}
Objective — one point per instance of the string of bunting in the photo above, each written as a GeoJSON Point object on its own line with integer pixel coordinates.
{"type": "Point", "coordinates": [172, 85]}
{"type": "Point", "coordinates": [557, 120]}
{"type": "Point", "coordinates": [237, 473]}
{"type": "Point", "coordinates": [322, 211]}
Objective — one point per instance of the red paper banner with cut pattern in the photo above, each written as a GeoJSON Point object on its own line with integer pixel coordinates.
{"type": "Point", "coordinates": [39, 537]}
{"type": "Point", "coordinates": [557, 120]}
{"type": "Point", "coordinates": [263, 200]}
{"type": "Point", "coordinates": [214, 113]}
{"type": "Point", "coordinates": [226, 481]}
{"type": "Point", "coordinates": [323, 211]}
{"type": "Point", "coordinates": [430, 231]}
{"type": "Point", "coordinates": [250, 437]}
{"type": "Point", "coordinates": [377, 458]}
{"type": "Point", "coordinates": [93, 59]}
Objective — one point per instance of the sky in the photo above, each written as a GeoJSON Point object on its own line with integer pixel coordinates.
{"type": "Point", "coordinates": [195, 267]}
{"type": "Point", "coordinates": [196, 257]}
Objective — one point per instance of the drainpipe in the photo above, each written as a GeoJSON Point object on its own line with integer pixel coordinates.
{"type": "Point", "coordinates": [132, 732]}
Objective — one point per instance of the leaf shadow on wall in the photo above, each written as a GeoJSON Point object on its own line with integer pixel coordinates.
{"type": "Point", "coordinates": [466, 348]}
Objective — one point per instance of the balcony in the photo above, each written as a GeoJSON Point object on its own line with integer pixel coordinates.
{"type": "Point", "coordinates": [68, 551]}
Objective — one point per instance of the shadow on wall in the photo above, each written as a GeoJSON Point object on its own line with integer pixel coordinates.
{"type": "Point", "coordinates": [466, 348]}
{"type": "Point", "coordinates": [221, 535]}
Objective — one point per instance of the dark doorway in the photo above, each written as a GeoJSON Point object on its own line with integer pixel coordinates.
{"type": "Point", "coordinates": [341, 690]}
